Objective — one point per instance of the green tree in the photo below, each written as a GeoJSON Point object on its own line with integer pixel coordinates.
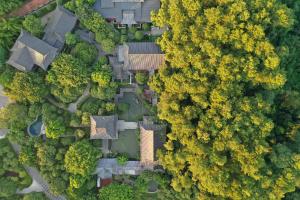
{"type": "Point", "coordinates": [29, 87]}
{"type": "Point", "coordinates": [7, 187]}
{"type": "Point", "coordinates": [85, 52]}
{"type": "Point", "coordinates": [9, 31]}
{"type": "Point", "coordinates": [68, 78]}
{"type": "Point", "coordinates": [14, 116]}
{"type": "Point", "coordinates": [33, 25]}
{"type": "Point", "coordinates": [108, 45]}
{"type": "Point", "coordinates": [122, 159]}
{"type": "Point", "coordinates": [34, 196]}
{"type": "Point", "coordinates": [221, 62]}
{"type": "Point", "coordinates": [7, 6]}
{"type": "Point", "coordinates": [81, 158]}
{"type": "Point", "coordinates": [116, 192]}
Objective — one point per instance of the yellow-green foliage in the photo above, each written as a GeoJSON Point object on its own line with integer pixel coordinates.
{"type": "Point", "coordinates": [220, 60]}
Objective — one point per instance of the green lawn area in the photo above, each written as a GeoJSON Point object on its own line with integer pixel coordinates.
{"type": "Point", "coordinates": [136, 108]}
{"type": "Point", "coordinates": [127, 143]}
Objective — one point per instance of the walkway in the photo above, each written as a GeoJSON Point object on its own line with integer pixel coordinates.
{"type": "Point", "coordinates": [35, 175]}
{"type": "Point", "coordinates": [29, 6]}
{"type": "Point", "coordinates": [34, 187]}
{"type": "Point", "coordinates": [73, 106]}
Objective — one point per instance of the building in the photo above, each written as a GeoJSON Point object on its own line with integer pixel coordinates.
{"type": "Point", "coordinates": [152, 138]}
{"type": "Point", "coordinates": [29, 51]}
{"type": "Point", "coordinates": [136, 56]}
{"type": "Point", "coordinates": [127, 12]}
{"type": "Point", "coordinates": [62, 22]}
{"type": "Point", "coordinates": [104, 127]}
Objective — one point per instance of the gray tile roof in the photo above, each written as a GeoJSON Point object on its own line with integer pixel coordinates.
{"type": "Point", "coordinates": [115, 9]}
{"type": "Point", "coordinates": [104, 127]}
{"type": "Point", "coordinates": [141, 56]}
{"type": "Point", "coordinates": [63, 21]}
{"type": "Point", "coordinates": [29, 51]}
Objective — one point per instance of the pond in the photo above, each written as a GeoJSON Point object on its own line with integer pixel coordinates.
{"type": "Point", "coordinates": [35, 128]}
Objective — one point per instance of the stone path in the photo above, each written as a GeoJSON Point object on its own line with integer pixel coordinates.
{"type": "Point", "coordinates": [73, 106]}
{"type": "Point", "coordinates": [29, 6]}
{"type": "Point", "coordinates": [35, 175]}
{"type": "Point", "coordinates": [34, 187]}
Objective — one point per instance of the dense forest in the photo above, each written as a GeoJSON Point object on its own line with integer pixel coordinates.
{"type": "Point", "coordinates": [230, 92]}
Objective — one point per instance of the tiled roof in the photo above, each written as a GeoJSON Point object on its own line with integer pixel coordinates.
{"type": "Point", "coordinates": [142, 56]}
{"type": "Point", "coordinates": [152, 138]}
{"type": "Point", "coordinates": [29, 51]}
{"type": "Point", "coordinates": [114, 9]}
{"type": "Point", "coordinates": [104, 127]}
{"type": "Point", "coordinates": [62, 22]}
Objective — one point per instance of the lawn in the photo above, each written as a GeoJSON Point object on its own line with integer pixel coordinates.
{"type": "Point", "coordinates": [127, 143]}
{"type": "Point", "coordinates": [136, 108]}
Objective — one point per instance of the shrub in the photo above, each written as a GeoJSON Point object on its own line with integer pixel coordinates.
{"type": "Point", "coordinates": [132, 30]}
{"type": "Point", "coordinates": [108, 45]}
{"type": "Point", "coordinates": [71, 39]}
{"type": "Point", "coordinates": [122, 160]}
{"type": "Point", "coordinates": [139, 35]}
{"type": "Point", "coordinates": [116, 192]}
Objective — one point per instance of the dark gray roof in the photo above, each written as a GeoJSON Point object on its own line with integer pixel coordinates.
{"type": "Point", "coordinates": [141, 56]}
{"type": "Point", "coordinates": [118, 9]}
{"type": "Point", "coordinates": [62, 22]}
{"type": "Point", "coordinates": [104, 127]}
{"type": "Point", "coordinates": [29, 51]}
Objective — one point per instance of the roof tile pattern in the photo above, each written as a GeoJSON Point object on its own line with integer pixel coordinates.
{"type": "Point", "coordinates": [104, 127]}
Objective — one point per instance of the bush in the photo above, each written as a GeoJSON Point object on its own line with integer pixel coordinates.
{"type": "Point", "coordinates": [122, 160]}
{"type": "Point", "coordinates": [141, 78]}
{"type": "Point", "coordinates": [71, 39]}
{"type": "Point", "coordinates": [123, 107]}
{"type": "Point", "coordinates": [108, 45]}
{"type": "Point", "coordinates": [139, 35]}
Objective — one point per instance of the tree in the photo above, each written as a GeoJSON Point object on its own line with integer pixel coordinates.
{"type": "Point", "coordinates": [116, 192]}
{"type": "Point", "coordinates": [68, 78]}
{"type": "Point", "coordinates": [33, 25]}
{"type": "Point", "coordinates": [221, 62]}
{"type": "Point", "coordinates": [81, 158]}
{"type": "Point", "coordinates": [85, 52]}
{"type": "Point", "coordinates": [71, 39]}
{"type": "Point", "coordinates": [141, 78]}
{"type": "Point", "coordinates": [7, 6]}
{"type": "Point", "coordinates": [3, 55]}
{"type": "Point", "coordinates": [14, 116]}
{"type": "Point", "coordinates": [28, 87]}
{"type": "Point", "coordinates": [34, 196]}
{"type": "Point", "coordinates": [9, 31]}
{"type": "Point", "coordinates": [7, 187]}
{"type": "Point", "coordinates": [139, 35]}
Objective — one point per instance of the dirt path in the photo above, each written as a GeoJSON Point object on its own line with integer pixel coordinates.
{"type": "Point", "coordinates": [29, 6]}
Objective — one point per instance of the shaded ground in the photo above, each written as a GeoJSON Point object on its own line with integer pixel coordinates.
{"type": "Point", "coordinates": [127, 143]}
{"type": "Point", "coordinates": [136, 108]}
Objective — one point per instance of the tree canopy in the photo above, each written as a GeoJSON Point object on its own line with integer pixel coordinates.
{"type": "Point", "coordinates": [68, 77]}
{"type": "Point", "coordinates": [33, 25]}
{"type": "Point", "coordinates": [81, 158]}
{"type": "Point", "coordinates": [116, 192]}
{"type": "Point", "coordinates": [29, 87]}
{"type": "Point", "coordinates": [222, 62]}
